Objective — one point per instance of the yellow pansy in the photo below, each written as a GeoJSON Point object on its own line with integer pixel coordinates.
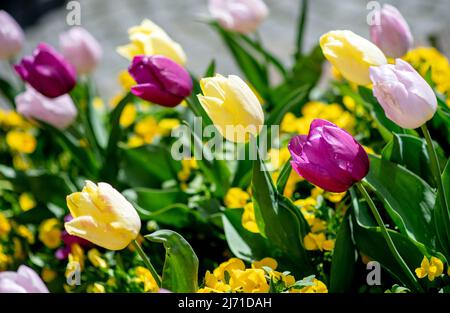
{"type": "Point", "coordinates": [96, 288]}
{"type": "Point", "coordinates": [103, 216]}
{"type": "Point", "coordinates": [187, 165]}
{"type": "Point", "coordinates": [5, 259]}
{"type": "Point", "coordinates": [21, 162]}
{"type": "Point", "coordinates": [96, 259]}
{"type": "Point", "coordinates": [128, 115]}
{"type": "Point", "coordinates": [279, 157]}
{"type": "Point", "coordinates": [266, 262]}
{"type": "Point", "coordinates": [12, 119]}
{"type": "Point", "coordinates": [135, 141]}
{"type": "Point", "coordinates": [228, 266]}
{"type": "Point", "coordinates": [26, 233]}
{"type": "Point", "coordinates": [149, 39]}
{"type": "Point", "coordinates": [21, 141]}
{"type": "Point", "coordinates": [147, 128]}
{"type": "Point", "coordinates": [5, 226]}
{"type": "Point", "coordinates": [318, 287]}
{"type": "Point", "coordinates": [144, 276]}
{"type": "Point", "coordinates": [98, 103]}
{"type": "Point", "coordinates": [19, 253]}
{"type": "Point", "coordinates": [167, 124]}
{"type": "Point", "coordinates": [48, 275]}
{"type": "Point", "coordinates": [249, 281]}
{"type": "Point", "coordinates": [236, 198]}
{"type": "Point", "coordinates": [289, 123]}
{"type": "Point", "coordinates": [249, 219]}
{"type": "Point", "coordinates": [126, 81]}
{"type": "Point", "coordinates": [212, 284]}
{"type": "Point", "coordinates": [26, 201]}
{"type": "Point", "coordinates": [335, 197]}
{"type": "Point", "coordinates": [318, 242]}
{"type": "Point", "coordinates": [50, 233]}
{"type": "Point", "coordinates": [432, 268]}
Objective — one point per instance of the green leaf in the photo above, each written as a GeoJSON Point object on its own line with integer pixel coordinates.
{"type": "Point", "coordinates": [370, 241]}
{"type": "Point", "coordinates": [163, 206]}
{"type": "Point", "coordinates": [148, 166]}
{"type": "Point", "coordinates": [278, 220]}
{"type": "Point", "coordinates": [8, 91]}
{"type": "Point", "coordinates": [296, 98]}
{"type": "Point", "coordinates": [303, 13]}
{"type": "Point", "coordinates": [284, 176]}
{"type": "Point", "coordinates": [180, 273]}
{"type": "Point", "coordinates": [440, 214]}
{"type": "Point", "coordinates": [408, 199]}
{"type": "Point", "coordinates": [344, 259]}
{"type": "Point", "coordinates": [211, 70]}
{"type": "Point", "coordinates": [308, 68]}
{"type": "Point", "coordinates": [412, 153]}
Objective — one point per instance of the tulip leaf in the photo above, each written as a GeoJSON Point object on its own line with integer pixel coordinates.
{"type": "Point", "coordinates": [180, 272]}
{"type": "Point", "coordinates": [211, 70]}
{"type": "Point", "coordinates": [148, 166]}
{"type": "Point", "coordinates": [8, 91]}
{"type": "Point", "coordinates": [303, 13]}
{"type": "Point", "coordinates": [407, 198]}
{"type": "Point", "coordinates": [278, 219]}
{"type": "Point", "coordinates": [441, 216]}
{"type": "Point", "coordinates": [163, 206]}
{"type": "Point", "coordinates": [284, 176]}
{"type": "Point", "coordinates": [370, 242]}
{"type": "Point", "coordinates": [412, 153]}
{"type": "Point", "coordinates": [308, 68]}
{"type": "Point", "coordinates": [344, 258]}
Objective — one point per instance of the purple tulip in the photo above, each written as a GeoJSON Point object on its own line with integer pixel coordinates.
{"type": "Point", "coordinates": [81, 49]}
{"type": "Point", "coordinates": [11, 36]}
{"type": "Point", "coordinates": [47, 71]}
{"type": "Point", "coordinates": [328, 157]}
{"type": "Point", "coordinates": [25, 280]}
{"type": "Point", "coordinates": [405, 96]}
{"type": "Point", "coordinates": [392, 35]}
{"type": "Point", "coordinates": [160, 80]}
{"type": "Point", "coordinates": [59, 112]}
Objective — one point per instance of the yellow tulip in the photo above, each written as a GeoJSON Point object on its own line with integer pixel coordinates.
{"type": "Point", "coordinates": [232, 106]}
{"type": "Point", "coordinates": [103, 216]}
{"type": "Point", "coordinates": [149, 39]}
{"type": "Point", "coordinates": [351, 54]}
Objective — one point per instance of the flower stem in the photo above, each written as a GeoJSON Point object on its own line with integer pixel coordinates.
{"type": "Point", "coordinates": [435, 168]}
{"type": "Point", "coordinates": [388, 238]}
{"type": "Point", "coordinates": [147, 262]}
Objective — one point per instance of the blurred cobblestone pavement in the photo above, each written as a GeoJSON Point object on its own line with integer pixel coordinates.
{"type": "Point", "coordinates": [109, 20]}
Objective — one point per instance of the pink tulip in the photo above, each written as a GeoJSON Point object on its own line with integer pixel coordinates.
{"type": "Point", "coordinates": [392, 35]}
{"type": "Point", "coordinates": [81, 49]}
{"type": "Point", "coordinates": [405, 96]}
{"type": "Point", "coordinates": [25, 280]}
{"type": "Point", "coordinates": [11, 36]}
{"type": "Point", "coordinates": [242, 16]}
{"type": "Point", "coordinates": [59, 112]}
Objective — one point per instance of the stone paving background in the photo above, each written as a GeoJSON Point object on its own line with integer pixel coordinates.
{"type": "Point", "coordinates": [109, 20]}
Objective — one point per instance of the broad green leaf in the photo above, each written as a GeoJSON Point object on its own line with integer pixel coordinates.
{"type": "Point", "coordinates": [295, 99]}
{"type": "Point", "coordinates": [344, 258]}
{"type": "Point", "coordinates": [284, 176]}
{"type": "Point", "coordinates": [147, 166]}
{"type": "Point", "coordinates": [180, 273]}
{"type": "Point", "coordinates": [408, 199]}
{"type": "Point", "coordinates": [412, 153]}
{"type": "Point", "coordinates": [308, 68]}
{"type": "Point", "coordinates": [8, 91]}
{"type": "Point", "coordinates": [211, 70]}
{"type": "Point", "coordinates": [441, 216]}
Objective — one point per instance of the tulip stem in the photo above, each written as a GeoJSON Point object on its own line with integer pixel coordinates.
{"type": "Point", "coordinates": [147, 262]}
{"type": "Point", "coordinates": [388, 238]}
{"type": "Point", "coordinates": [435, 168]}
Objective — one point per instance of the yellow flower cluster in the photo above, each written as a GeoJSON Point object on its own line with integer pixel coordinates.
{"type": "Point", "coordinates": [233, 276]}
{"type": "Point", "coordinates": [425, 58]}
{"type": "Point", "coordinates": [238, 198]}
{"type": "Point", "coordinates": [148, 128]}
{"type": "Point", "coordinates": [5, 226]}
{"type": "Point", "coordinates": [315, 109]}
{"type": "Point", "coordinates": [432, 268]}
{"type": "Point", "coordinates": [187, 166]}
{"type": "Point", "coordinates": [50, 233]}
{"type": "Point", "coordinates": [145, 277]}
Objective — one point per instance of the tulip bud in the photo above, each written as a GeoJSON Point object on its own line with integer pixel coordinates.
{"type": "Point", "coordinates": [11, 36]}
{"type": "Point", "coordinates": [405, 96]}
{"type": "Point", "coordinates": [81, 49]}
{"type": "Point", "coordinates": [242, 16]}
{"type": "Point", "coordinates": [150, 39]}
{"type": "Point", "coordinates": [102, 216]}
{"type": "Point", "coordinates": [392, 35]}
{"type": "Point", "coordinates": [25, 280]}
{"type": "Point", "coordinates": [160, 80]}
{"type": "Point", "coordinates": [328, 157]}
{"type": "Point", "coordinates": [47, 71]}
{"type": "Point", "coordinates": [351, 54]}
{"type": "Point", "coordinates": [59, 112]}
{"type": "Point", "coordinates": [232, 106]}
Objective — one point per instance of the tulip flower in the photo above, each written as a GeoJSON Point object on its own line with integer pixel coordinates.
{"type": "Point", "coordinates": [149, 39]}
{"type": "Point", "coordinates": [160, 80]}
{"type": "Point", "coordinates": [242, 16]}
{"type": "Point", "coordinates": [405, 96]}
{"type": "Point", "coordinates": [59, 112]}
{"type": "Point", "coordinates": [25, 280]}
{"type": "Point", "coordinates": [47, 71]}
{"type": "Point", "coordinates": [351, 54]}
{"type": "Point", "coordinates": [11, 36]}
{"type": "Point", "coordinates": [81, 49]}
{"type": "Point", "coordinates": [69, 240]}
{"type": "Point", "coordinates": [232, 106]}
{"type": "Point", "coordinates": [102, 216]}
{"type": "Point", "coordinates": [328, 157]}
{"type": "Point", "coordinates": [392, 35]}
